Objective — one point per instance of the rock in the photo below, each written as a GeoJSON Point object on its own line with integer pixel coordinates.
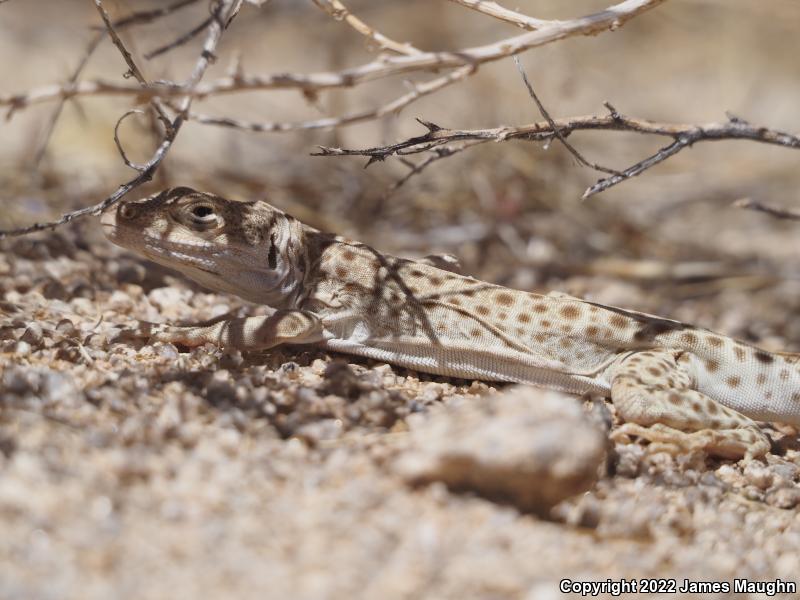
{"type": "Point", "coordinates": [787, 497]}
{"type": "Point", "coordinates": [529, 447]}
{"type": "Point", "coordinates": [33, 335]}
{"type": "Point", "coordinates": [758, 475]}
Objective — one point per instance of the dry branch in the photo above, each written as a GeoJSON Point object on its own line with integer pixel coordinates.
{"type": "Point", "coordinates": [450, 66]}
{"type": "Point", "coordinates": [608, 19]}
{"type": "Point", "coordinates": [683, 136]}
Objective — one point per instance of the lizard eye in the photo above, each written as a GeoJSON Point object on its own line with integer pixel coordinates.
{"type": "Point", "coordinates": [202, 212]}
{"type": "Point", "coordinates": [202, 216]}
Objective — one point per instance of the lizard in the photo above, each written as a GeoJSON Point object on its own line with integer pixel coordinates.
{"type": "Point", "coordinates": [674, 385]}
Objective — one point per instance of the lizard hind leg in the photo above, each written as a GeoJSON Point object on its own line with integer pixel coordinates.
{"type": "Point", "coordinates": [652, 394]}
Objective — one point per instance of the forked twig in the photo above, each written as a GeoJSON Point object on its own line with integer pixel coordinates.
{"type": "Point", "coordinates": [561, 137]}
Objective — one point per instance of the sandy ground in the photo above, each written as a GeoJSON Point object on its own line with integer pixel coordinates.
{"type": "Point", "coordinates": [138, 471]}
{"type": "Point", "coordinates": [130, 470]}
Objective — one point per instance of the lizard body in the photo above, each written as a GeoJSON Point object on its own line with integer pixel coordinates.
{"type": "Point", "coordinates": [673, 384]}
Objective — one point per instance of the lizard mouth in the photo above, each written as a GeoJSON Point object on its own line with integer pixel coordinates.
{"type": "Point", "coordinates": [197, 255]}
{"type": "Point", "coordinates": [174, 254]}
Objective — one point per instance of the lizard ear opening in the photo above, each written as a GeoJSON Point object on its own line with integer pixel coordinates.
{"type": "Point", "coordinates": [272, 257]}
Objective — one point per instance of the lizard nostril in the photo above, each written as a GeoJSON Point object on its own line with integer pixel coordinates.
{"type": "Point", "coordinates": [127, 211]}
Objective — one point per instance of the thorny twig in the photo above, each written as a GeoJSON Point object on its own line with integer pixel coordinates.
{"type": "Point", "coordinates": [461, 64]}
{"type": "Point", "coordinates": [224, 12]}
{"type": "Point", "coordinates": [683, 136]}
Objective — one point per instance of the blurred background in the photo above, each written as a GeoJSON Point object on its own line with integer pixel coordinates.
{"type": "Point", "coordinates": [666, 242]}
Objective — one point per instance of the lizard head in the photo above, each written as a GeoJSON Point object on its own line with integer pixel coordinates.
{"type": "Point", "coordinates": [245, 248]}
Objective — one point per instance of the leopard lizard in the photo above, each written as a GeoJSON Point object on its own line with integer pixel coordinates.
{"type": "Point", "coordinates": [678, 386]}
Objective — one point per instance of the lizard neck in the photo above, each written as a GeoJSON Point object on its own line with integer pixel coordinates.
{"type": "Point", "coordinates": [289, 268]}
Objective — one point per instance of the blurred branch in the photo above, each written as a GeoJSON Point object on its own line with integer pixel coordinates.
{"type": "Point", "coordinates": [136, 18]}
{"type": "Point", "coordinates": [181, 40]}
{"type": "Point", "coordinates": [340, 12]}
{"type": "Point", "coordinates": [419, 90]}
{"type": "Point", "coordinates": [143, 17]}
{"type": "Point", "coordinates": [492, 9]}
{"type": "Point", "coordinates": [773, 211]}
{"type": "Point", "coordinates": [56, 114]}
{"type": "Point", "coordinates": [609, 19]}
{"type": "Point", "coordinates": [683, 136]}
{"type": "Point", "coordinates": [223, 12]}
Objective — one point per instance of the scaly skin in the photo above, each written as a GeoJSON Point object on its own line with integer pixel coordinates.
{"type": "Point", "coordinates": [674, 384]}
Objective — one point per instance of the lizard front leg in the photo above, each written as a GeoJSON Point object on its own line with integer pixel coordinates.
{"type": "Point", "coordinates": [246, 333]}
{"type": "Point", "coordinates": [652, 393]}
{"type": "Point", "coordinates": [446, 262]}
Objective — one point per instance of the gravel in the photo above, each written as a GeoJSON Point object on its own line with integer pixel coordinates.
{"type": "Point", "coordinates": [137, 470]}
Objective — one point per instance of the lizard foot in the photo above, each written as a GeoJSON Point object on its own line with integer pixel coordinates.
{"type": "Point", "coordinates": [744, 442]}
